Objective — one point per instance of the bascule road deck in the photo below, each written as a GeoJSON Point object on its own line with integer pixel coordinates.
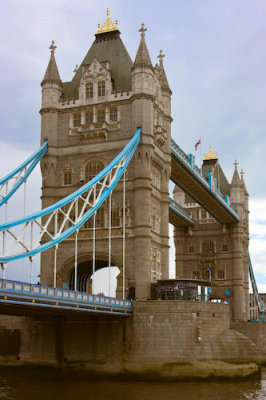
{"type": "Point", "coordinates": [19, 298]}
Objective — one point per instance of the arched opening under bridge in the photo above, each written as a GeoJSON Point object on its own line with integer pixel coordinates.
{"type": "Point", "coordinates": [85, 272]}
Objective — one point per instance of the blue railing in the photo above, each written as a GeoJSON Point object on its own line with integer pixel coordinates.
{"type": "Point", "coordinates": [180, 211]}
{"type": "Point", "coordinates": [188, 161]}
{"type": "Point", "coordinates": [45, 296]}
{"type": "Point", "coordinates": [254, 286]}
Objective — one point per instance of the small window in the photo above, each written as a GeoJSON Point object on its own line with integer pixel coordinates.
{"type": "Point", "coordinates": [89, 90]}
{"type": "Point", "coordinates": [203, 214]}
{"type": "Point", "coordinates": [67, 177]}
{"type": "Point", "coordinates": [89, 117]}
{"type": "Point", "coordinates": [99, 222]}
{"type": "Point", "coordinates": [225, 247]}
{"type": "Point", "coordinates": [195, 275]}
{"type": "Point", "coordinates": [191, 249]}
{"type": "Point", "coordinates": [207, 247]}
{"type": "Point", "coordinates": [92, 168]}
{"type": "Point", "coordinates": [101, 89]}
{"type": "Point", "coordinates": [76, 119]}
{"type": "Point", "coordinates": [220, 274]}
{"type": "Point", "coordinates": [115, 217]}
{"type": "Point", "coordinates": [101, 115]}
{"type": "Point", "coordinates": [113, 114]}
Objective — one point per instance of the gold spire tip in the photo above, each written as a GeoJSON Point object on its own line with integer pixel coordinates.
{"type": "Point", "coordinates": [108, 24]}
{"type": "Point", "coordinates": [210, 155]}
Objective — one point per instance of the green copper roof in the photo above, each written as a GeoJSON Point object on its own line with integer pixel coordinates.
{"type": "Point", "coordinates": [106, 47]}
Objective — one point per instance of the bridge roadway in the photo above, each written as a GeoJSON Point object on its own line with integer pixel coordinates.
{"type": "Point", "coordinates": [189, 178]}
{"type": "Point", "coordinates": [19, 298]}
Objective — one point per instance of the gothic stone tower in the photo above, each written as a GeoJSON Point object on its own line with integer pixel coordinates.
{"type": "Point", "coordinates": [216, 252]}
{"type": "Point", "coordinates": [87, 121]}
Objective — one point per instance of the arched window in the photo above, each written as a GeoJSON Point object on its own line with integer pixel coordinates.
{"type": "Point", "coordinates": [101, 88]}
{"type": "Point", "coordinates": [92, 168]}
{"type": "Point", "coordinates": [89, 90]}
{"type": "Point", "coordinates": [67, 177]}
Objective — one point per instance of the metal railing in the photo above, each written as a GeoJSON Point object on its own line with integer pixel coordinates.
{"type": "Point", "coordinates": [180, 211]}
{"type": "Point", "coordinates": [254, 286]}
{"type": "Point", "coordinates": [181, 155]}
{"type": "Point", "coordinates": [49, 296]}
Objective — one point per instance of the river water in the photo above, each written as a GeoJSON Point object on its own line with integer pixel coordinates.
{"type": "Point", "coordinates": [16, 385]}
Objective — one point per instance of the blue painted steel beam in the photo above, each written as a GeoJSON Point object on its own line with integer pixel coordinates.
{"type": "Point", "coordinates": [182, 159]}
{"type": "Point", "coordinates": [127, 153]}
{"type": "Point", "coordinates": [32, 161]}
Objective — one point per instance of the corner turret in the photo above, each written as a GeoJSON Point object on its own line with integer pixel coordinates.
{"type": "Point", "coordinates": [51, 83]}
{"type": "Point", "coordinates": [142, 69]}
{"type": "Point", "coordinates": [236, 188]}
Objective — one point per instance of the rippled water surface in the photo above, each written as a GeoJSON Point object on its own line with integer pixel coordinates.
{"type": "Point", "coordinates": [17, 385]}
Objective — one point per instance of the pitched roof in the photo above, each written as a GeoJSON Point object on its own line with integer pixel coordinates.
{"type": "Point", "coordinates": [52, 74]}
{"type": "Point", "coordinates": [163, 80]}
{"type": "Point", "coordinates": [222, 182]}
{"type": "Point", "coordinates": [142, 57]}
{"type": "Point", "coordinates": [236, 180]}
{"type": "Point", "coordinates": [106, 47]}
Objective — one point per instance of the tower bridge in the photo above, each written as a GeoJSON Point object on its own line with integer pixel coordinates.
{"type": "Point", "coordinates": [107, 157]}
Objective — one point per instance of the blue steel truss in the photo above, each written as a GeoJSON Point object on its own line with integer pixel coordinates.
{"type": "Point", "coordinates": [119, 165]}
{"type": "Point", "coordinates": [40, 296]}
{"type": "Point", "coordinates": [20, 174]}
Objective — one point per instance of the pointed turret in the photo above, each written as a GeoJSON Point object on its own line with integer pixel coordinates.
{"type": "Point", "coordinates": [236, 182]}
{"type": "Point", "coordinates": [52, 88]}
{"type": "Point", "coordinates": [243, 182]}
{"type": "Point", "coordinates": [236, 188]}
{"type": "Point", "coordinates": [52, 74]}
{"type": "Point", "coordinates": [142, 57]}
{"type": "Point", "coordinates": [162, 75]}
{"type": "Point", "coordinates": [142, 69]}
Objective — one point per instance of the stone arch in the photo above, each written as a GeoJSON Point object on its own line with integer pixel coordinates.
{"type": "Point", "coordinates": [85, 271]}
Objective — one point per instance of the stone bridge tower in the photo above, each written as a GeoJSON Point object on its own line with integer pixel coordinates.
{"type": "Point", "coordinates": [214, 252]}
{"type": "Point", "coordinates": [87, 121]}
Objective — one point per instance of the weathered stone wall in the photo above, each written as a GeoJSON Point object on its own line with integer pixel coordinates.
{"type": "Point", "coordinates": [161, 338]}
{"type": "Point", "coordinates": [255, 331]}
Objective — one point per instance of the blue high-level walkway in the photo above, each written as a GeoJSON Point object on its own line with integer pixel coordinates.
{"type": "Point", "coordinates": [188, 177]}
{"type": "Point", "coordinates": [26, 296]}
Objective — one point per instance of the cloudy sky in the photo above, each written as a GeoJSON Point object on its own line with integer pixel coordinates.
{"type": "Point", "coordinates": [215, 63]}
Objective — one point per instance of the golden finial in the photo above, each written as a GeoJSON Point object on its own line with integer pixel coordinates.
{"type": "Point", "coordinates": [142, 30]}
{"type": "Point", "coordinates": [108, 25]}
{"type": "Point", "coordinates": [52, 47]}
{"type": "Point", "coordinates": [210, 155]}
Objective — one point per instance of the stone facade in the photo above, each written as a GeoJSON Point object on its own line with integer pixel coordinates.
{"type": "Point", "coordinates": [87, 122]}
{"type": "Point", "coordinates": [214, 251]}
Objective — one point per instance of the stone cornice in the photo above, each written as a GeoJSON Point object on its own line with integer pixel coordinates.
{"type": "Point", "coordinates": [48, 110]}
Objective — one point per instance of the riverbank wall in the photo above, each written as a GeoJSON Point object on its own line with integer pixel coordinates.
{"type": "Point", "coordinates": [169, 340]}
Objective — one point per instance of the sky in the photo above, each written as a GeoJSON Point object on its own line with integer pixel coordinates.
{"type": "Point", "coordinates": [215, 62]}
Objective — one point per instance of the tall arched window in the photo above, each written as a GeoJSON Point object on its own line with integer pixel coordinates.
{"type": "Point", "coordinates": [92, 168]}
